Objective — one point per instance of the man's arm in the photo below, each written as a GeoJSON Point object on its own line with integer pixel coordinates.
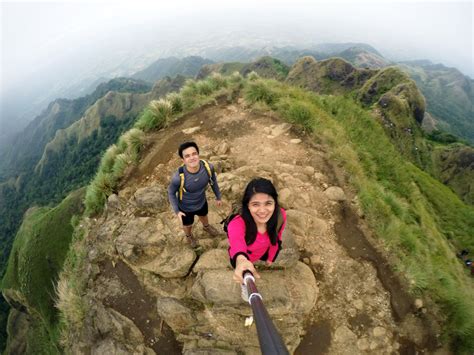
{"type": "Point", "coordinates": [172, 190]}
{"type": "Point", "coordinates": [215, 186]}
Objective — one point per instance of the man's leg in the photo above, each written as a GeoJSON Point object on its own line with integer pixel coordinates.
{"type": "Point", "coordinates": [188, 221]}
{"type": "Point", "coordinates": [204, 220]}
{"type": "Point", "coordinates": [188, 230]}
{"type": "Point", "coordinates": [207, 227]}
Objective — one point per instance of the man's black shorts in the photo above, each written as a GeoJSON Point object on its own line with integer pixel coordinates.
{"type": "Point", "coordinates": [188, 220]}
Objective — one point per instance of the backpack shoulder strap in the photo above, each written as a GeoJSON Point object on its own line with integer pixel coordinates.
{"type": "Point", "coordinates": [209, 171]}
{"type": "Point", "coordinates": [181, 182]}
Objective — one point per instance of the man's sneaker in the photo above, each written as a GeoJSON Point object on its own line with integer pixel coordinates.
{"type": "Point", "coordinates": [192, 241]}
{"type": "Point", "coordinates": [211, 230]}
{"type": "Point", "coordinates": [244, 292]}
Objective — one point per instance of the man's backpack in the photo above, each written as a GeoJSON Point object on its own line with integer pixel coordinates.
{"type": "Point", "coordinates": [210, 172]}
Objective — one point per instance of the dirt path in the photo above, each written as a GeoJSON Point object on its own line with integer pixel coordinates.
{"type": "Point", "coordinates": [362, 307]}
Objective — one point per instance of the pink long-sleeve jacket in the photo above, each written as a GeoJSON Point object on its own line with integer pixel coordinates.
{"type": "Point", "coordinates": [260, 249]}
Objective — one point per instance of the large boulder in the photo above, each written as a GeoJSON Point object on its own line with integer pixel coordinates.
{"type": "Point", "coordinates": [284, 291]}
{"type": "Point", "coordinates": [172, 261]}
{"type": "Point", "coordinates": [178, 316]}
{"type": "Point", "coordinates": [213, 259]}
{"type": "Point", "coordinates": [153, 197]}
{"type": "Point", "coordinates": [118, 334]}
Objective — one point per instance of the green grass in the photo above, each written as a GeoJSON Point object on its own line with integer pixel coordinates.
{"type": "Point", "coordinates": [37, 257]}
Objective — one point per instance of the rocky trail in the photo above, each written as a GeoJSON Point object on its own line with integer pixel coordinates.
{"type": "Point", "coordinates": [332, 290]}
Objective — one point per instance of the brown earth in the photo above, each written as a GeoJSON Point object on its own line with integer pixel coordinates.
{"type": "Point", "coordinates": [362, 305]}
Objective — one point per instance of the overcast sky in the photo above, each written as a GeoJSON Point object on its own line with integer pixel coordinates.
{"type": "Point", "coordinates": [34, 32]}
{"type": "Point", "coordinates": [54, 40]}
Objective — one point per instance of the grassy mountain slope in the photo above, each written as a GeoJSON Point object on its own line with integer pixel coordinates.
{"type": "Point", "coordinates": [35, 261]}
{"type": "Point", "coordinates": [334, 76]}
{"type": "Point", "coordinates": [454, 165]}
{"type": "Point", "coordinates": [398, 104]}
{"type": "Point", "coordinates": [420, 222]}
{"type": "Point", "coordinates": [449, 95]}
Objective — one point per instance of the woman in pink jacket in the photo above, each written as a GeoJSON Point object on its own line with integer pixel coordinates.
{"type": "Point", "coordinates": [255, 234]}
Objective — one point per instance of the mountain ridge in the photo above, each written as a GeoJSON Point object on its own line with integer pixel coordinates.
{"type": "Point", "coordinates": [396, 99]}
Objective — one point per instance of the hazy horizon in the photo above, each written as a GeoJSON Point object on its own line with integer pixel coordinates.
{"type": "Point", "coordinates": [52, 45]}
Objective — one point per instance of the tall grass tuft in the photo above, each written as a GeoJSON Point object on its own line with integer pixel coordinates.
{"type": "Point", "coordinates": [108, 159]}
{"type": "Point", "coordinates": [177, 104]}
{"type": "Point", "coordinates": [71, 286]}
{"type": "Point", "coordinates": [99, 190]}
{"type": "Point", "coordinates": [297, 112]}
{"type": "Point", "coordinates": [259, 91]}
{"type": "Point", "coordinates": [121, 162]}
{"type": "Point", "coordinates": [155, 115]}
{"type": "Point", "coordinates": [236, 77]}
{"type": "Point", "coordinates": [135, 142]}
{"type": "Point", "coordinates": [204, 87]}
{"type": "Point", "coordinates": [253, 76]}
{"type": "Point", "coordinates": [70, 303]}
{"type": "Point", "coordinates": [217, 81]}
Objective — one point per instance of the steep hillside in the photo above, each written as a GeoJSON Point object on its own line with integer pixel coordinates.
{"type": "Point", "coordinates": [331, 76]}
{"type": "Point", "coordinates": [333, 49]}
{"type": "Point", "coordinates": [36, 259]}
{"type": "Point", "coordinates": [362, 58]}
{"type": "Point", "coordinates": [26, 149]}
{"type": "Point", "coordinates": [399, 105]}
{"type": "Point", "coordinates": [454, 165]}
{"type": "Point", "coordinates": [188, 66]}
{"type": "Point", "coordinates": [449, 95]}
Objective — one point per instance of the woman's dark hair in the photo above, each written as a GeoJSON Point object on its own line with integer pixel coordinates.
{"type": "Point", "coordinates": [259, 185]}
{"type": "Point", "coordinates": [186, 145]}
